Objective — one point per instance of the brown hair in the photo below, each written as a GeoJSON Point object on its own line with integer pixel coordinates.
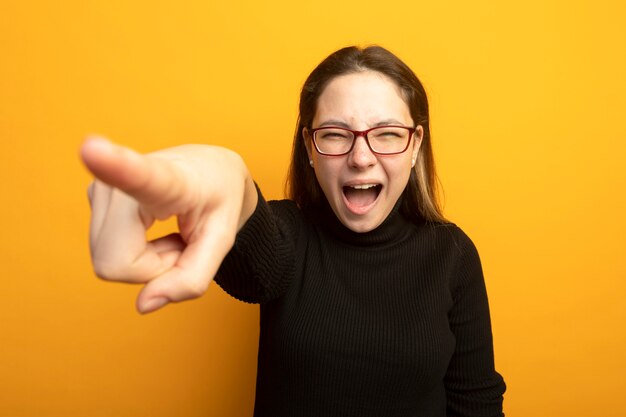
{"type": "Point", "coordinates": [420, 197]}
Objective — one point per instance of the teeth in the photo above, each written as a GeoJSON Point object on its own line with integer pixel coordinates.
{"type": "Point", "coordinates": [363, 186]}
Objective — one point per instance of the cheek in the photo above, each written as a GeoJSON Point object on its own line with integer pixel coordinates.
{"type": "Point", "coordinates": [323, 173]}
{"type": "Point", "coordinates": [400, 172]}
{"type": "Point", "coordinates": [327, 173]}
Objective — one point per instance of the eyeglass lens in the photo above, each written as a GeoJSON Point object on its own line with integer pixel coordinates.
{"type": "Point", "coordinates": [383, 140]}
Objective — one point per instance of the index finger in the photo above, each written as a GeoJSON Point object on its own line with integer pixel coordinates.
{"type": "Point", "coordinates": [148, 180]}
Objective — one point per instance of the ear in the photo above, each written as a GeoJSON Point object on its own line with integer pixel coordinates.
{"type": "Point", "coordinates": [417, 141]}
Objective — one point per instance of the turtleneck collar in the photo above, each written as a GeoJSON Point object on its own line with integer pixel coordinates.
{"type": "Point", "coordinates": [392, 230]}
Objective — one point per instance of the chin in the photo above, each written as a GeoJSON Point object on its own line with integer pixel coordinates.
{"type": "Point", "coordinates": [361, 225]}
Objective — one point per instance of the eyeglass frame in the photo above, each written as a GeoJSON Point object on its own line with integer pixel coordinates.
{"type": "Point", "coordinates": [363, 133]}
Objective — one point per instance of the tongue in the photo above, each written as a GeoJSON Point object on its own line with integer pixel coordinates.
{"type": "Point", "coordinates": [360, 198]}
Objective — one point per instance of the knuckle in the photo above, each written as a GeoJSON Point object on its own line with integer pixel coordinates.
{"type": "Point", "coordinates": [194, 288]}
{"type": "Point", "coordinates": [107, 271]}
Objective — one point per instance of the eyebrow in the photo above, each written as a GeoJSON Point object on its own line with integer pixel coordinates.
{"type": "Point", "coordinates": [339, 123]}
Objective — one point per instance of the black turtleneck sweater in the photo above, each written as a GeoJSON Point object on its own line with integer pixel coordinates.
{"type": "Point", "coordinates": [388, 323]}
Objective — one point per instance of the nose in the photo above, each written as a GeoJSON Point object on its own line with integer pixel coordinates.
{"type": "Point", "coordinates": [361, 155]}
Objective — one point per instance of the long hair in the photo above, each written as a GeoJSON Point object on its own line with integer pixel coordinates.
{"type": "Point", "coordinates": [420, 197]}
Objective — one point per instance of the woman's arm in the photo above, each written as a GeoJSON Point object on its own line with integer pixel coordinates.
{"type": "Point", "coordinates": [261, 265]}
{"type": "Point", "coordinates": [473, 387]}
{"type": "Point", "coordinates": [210, 191]}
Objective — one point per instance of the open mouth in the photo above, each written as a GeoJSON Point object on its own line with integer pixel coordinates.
{"type": "Point", "coordinates": [361, 195]}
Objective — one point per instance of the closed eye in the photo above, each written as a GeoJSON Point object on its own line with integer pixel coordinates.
{"type": "Point", "coordinates": [334, 135]}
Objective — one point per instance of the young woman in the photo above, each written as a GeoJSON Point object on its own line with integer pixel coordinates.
{"type": "Point", "coordinates": [372, 304]}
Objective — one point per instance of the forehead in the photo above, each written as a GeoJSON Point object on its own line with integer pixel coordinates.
{"type": "Point", "coordinates": [362, 98]}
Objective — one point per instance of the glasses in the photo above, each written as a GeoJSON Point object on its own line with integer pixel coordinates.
{"type": "Point", "coordinates": [382, 140]}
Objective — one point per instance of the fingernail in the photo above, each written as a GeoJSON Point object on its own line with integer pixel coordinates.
{"type": "Point", "coordinates": [153, 304]}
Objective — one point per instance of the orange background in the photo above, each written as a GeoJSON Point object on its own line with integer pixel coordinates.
{"type": "Point", "coordinates": [527, 99]}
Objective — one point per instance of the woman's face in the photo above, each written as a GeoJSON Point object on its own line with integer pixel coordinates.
{"type": "Point", "coordinates": [362, 187]}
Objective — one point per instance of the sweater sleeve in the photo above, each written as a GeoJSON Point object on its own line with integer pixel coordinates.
{"type": "Point", "coordinates": [473, 386]}
{"type": "Point", "coordinates": [261, 264]}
